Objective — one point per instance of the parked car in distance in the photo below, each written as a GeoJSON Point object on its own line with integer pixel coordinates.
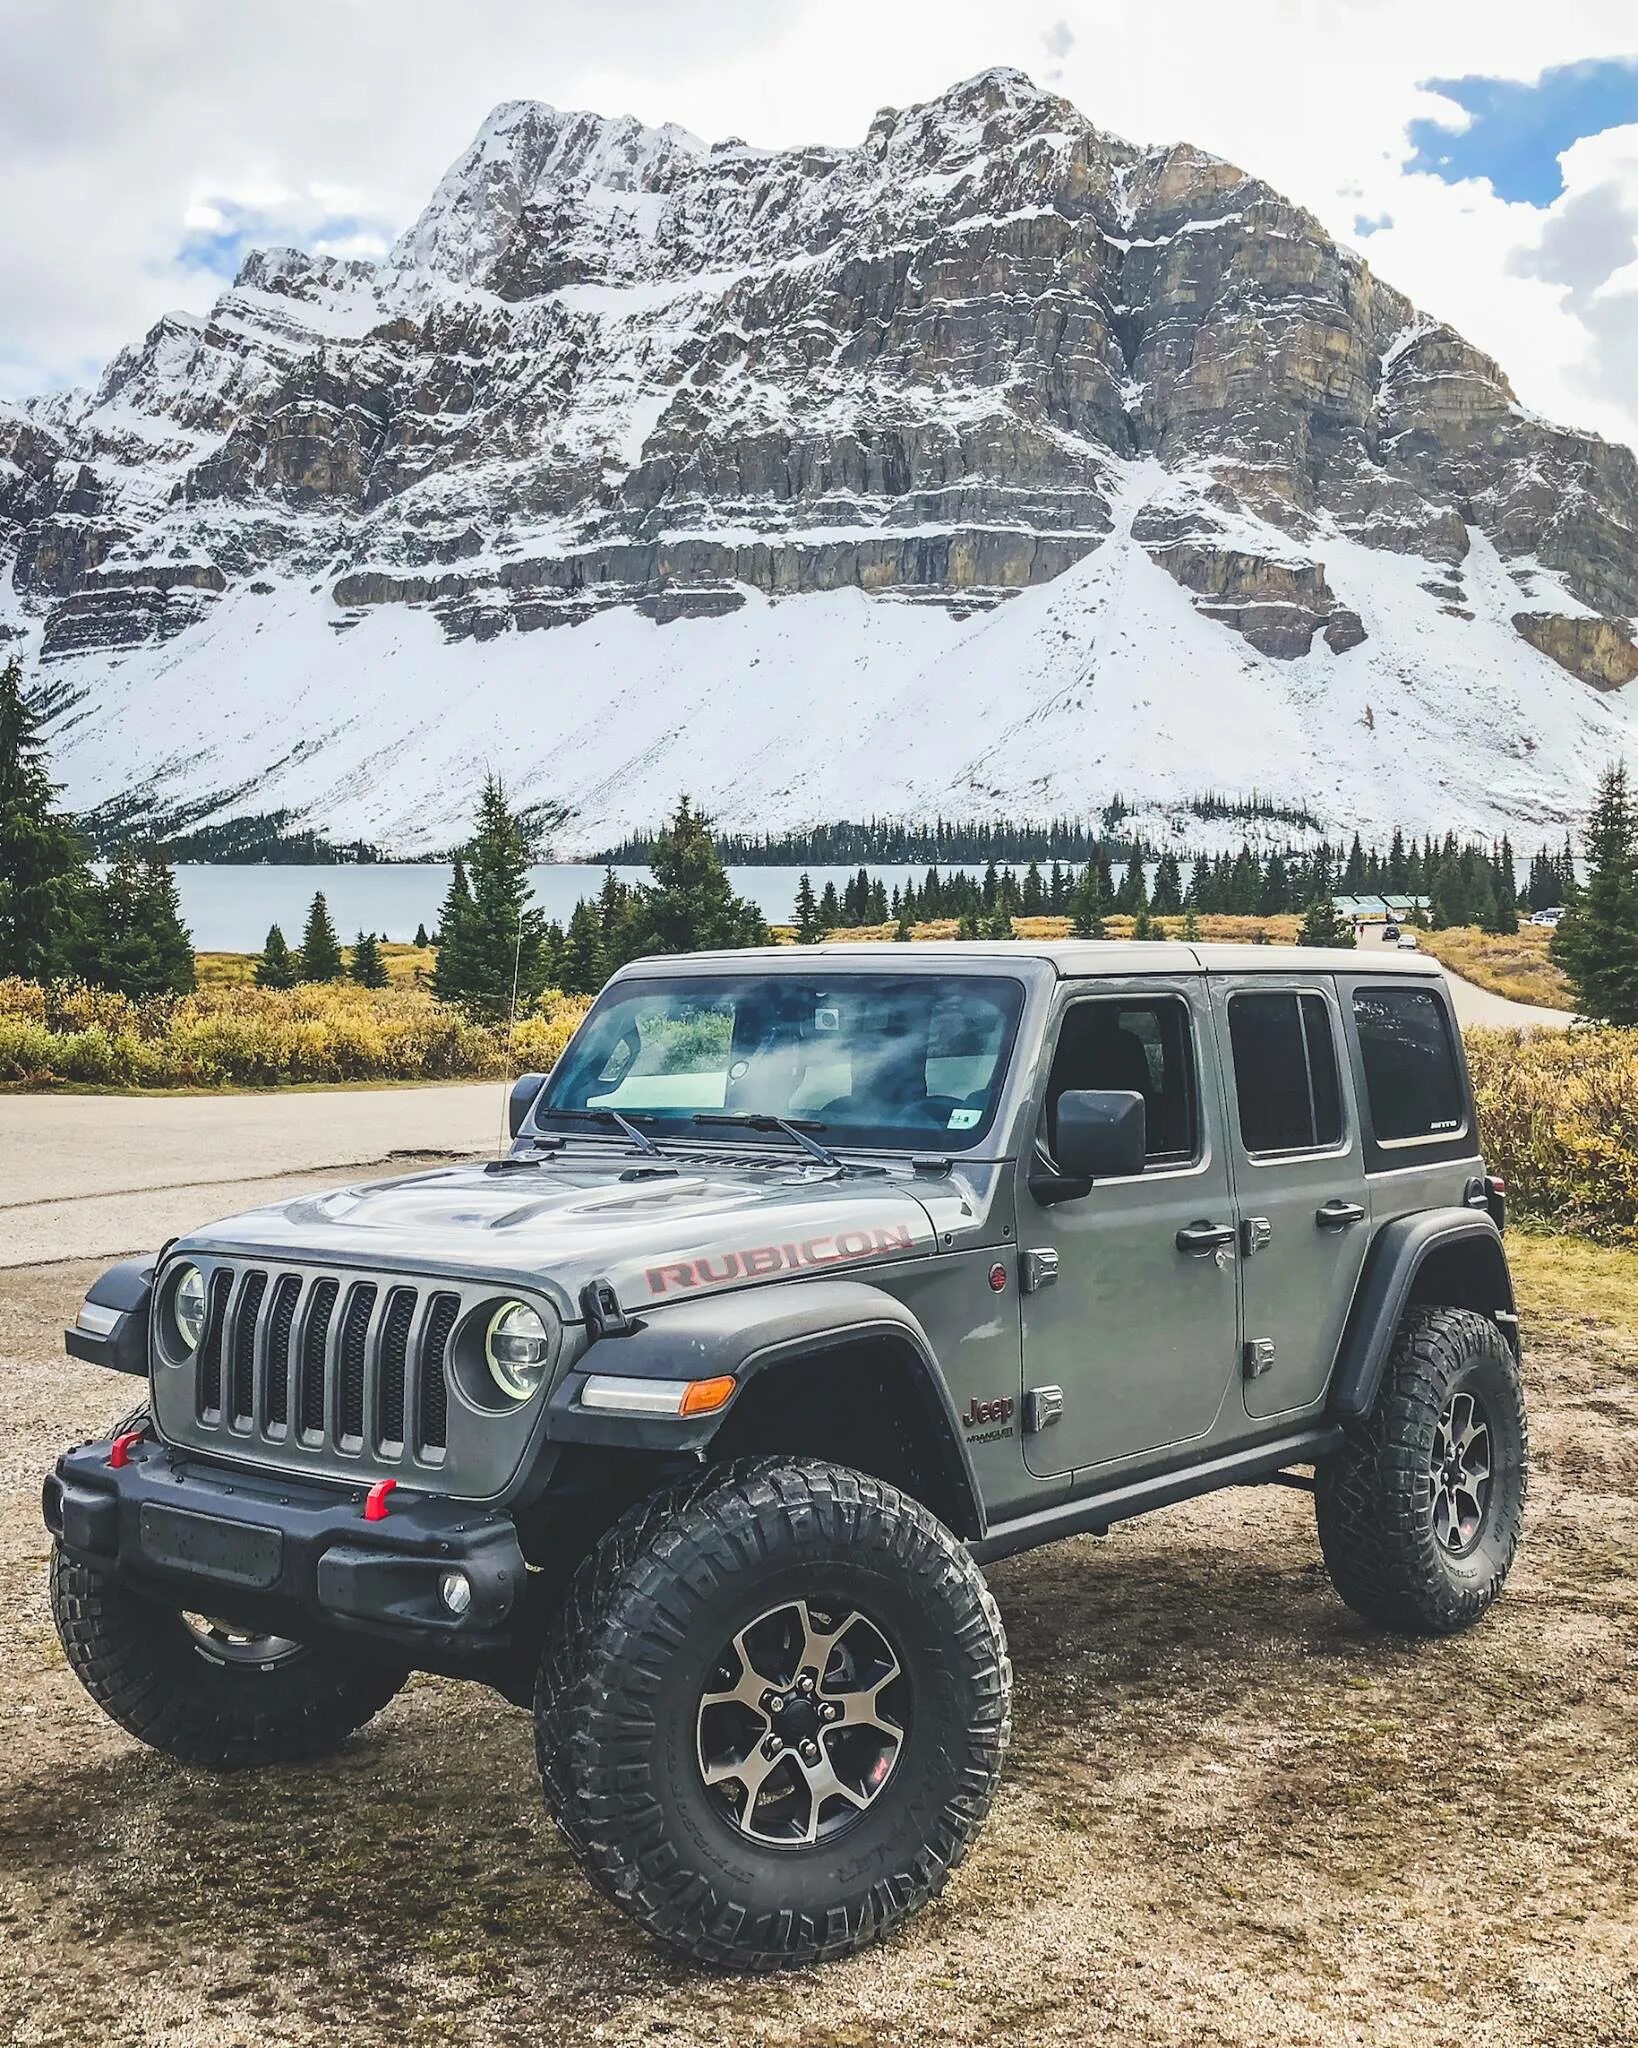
{"type": "Point", "coordinates": [1549, 918]}
{"type": "Point", "coordinates": [1408, 942]}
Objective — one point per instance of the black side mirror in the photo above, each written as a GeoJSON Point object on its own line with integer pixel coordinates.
{"type": "Point", "coordinates": [522, 1099]}
{"type": "Point", "coordinates": [1099, 1134]}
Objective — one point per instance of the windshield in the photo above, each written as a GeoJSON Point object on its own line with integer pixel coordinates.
{"type": "Point", "coordinates": [888, 1060]}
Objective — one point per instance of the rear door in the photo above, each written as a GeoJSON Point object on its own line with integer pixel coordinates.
{"type": "Point", "coordinates": [1299, 1177]}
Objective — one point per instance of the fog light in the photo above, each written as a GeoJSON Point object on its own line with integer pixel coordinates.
{"type": "Point", "coordinates": [455, 1591]}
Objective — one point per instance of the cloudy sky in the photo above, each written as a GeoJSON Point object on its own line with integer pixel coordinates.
{"type": "Point", "coordinates": [1484, 156]}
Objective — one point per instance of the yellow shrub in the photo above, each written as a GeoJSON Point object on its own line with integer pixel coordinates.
{"type": "Point", "coordinates": [1558, 1115]}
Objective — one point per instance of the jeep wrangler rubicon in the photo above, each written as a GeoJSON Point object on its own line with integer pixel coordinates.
{"type": "Point", "coordinates": [812, 1282]}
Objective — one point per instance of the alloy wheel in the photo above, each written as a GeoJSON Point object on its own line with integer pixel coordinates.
{"type": "Point", "coordinates": [1461, 1473]}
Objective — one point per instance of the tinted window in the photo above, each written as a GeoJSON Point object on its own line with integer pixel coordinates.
{"type": "Point", "coordinates": [872, 1059]}
{"type": "Point", "coordinates": [1411, 1076]}
{"type": "Point", "coordinates": [1285, 1071]}
{"type": "Point", "coordinates": [1136, 1043]}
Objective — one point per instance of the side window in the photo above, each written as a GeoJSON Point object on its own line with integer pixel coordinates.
{"type": "Point", "coordinates": [1411, 1075]}
{"type": "Point", "coordinates": [1142, 1043]}
{"type": "Point", "coordinates": [1285, 1071]}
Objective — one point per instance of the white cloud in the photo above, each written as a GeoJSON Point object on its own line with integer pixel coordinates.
{"type": "Point", "coordinates": [123, 127]}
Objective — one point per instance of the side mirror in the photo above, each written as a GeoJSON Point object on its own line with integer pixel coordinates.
{"type": "Point", "coordinates": [522, 1099]}
{"type": "Point", "coordinates": [1100, 1134]}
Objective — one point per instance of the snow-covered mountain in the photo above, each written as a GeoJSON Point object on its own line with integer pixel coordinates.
{"type": "Point", "coordinates": [991, 466]}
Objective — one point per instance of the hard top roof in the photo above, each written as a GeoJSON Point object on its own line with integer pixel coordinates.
{"type": "Point", "coordinates": [1071, 959]}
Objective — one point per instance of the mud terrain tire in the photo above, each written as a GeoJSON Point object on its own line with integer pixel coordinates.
{"type": "Point", "coordinates": [703, 1591]}
{"type": "Point", "coordinates": [1383, 1502]}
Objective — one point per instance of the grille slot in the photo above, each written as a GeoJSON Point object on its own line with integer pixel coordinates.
{"type": "Point", "coordinates": [242, 1382]}
{"type": "Point", "coordinates": [315, 1343]}
{"type": "Point", "coordinates": [210, 1345]}
{"type": "Point", "coordinates": [281, 1321]}
{"type": "Point", "coordinates": [355, 1329]}
{"type": "Point", "coordinates": [395, 1329]}
{"type": "Point", "coordinates": [433, 1415]}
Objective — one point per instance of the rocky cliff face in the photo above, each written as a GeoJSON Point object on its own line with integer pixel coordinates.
{"type": "Point", "coordinates": [938, 407]}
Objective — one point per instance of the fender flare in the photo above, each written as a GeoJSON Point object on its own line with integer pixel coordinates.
{"type": "Point", "coordinates": [1398, 1253]}
{"type": "Point", "coordinates": [745, 1332]}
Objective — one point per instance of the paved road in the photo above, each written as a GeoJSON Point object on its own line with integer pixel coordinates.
{"type": "Point", "coordinates": [88, 1176]}
{"type": "Point", "coordinates": [1476, 1005]}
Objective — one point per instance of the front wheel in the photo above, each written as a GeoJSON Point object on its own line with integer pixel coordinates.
{"type": "Point", "coordinates": [772, 1712]}
{"type": "Point", "coordinates": [202, 1690]}
{"type": "Point", "coordinates": [1420, 1511]}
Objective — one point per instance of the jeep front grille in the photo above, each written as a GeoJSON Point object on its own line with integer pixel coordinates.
{"type": "Point", "coordinates": [354, 1359]}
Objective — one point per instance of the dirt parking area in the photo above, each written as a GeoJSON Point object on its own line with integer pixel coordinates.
{"type": "Point", "coordinates": [1231, 1813]}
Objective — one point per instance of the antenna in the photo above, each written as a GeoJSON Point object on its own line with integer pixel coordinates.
{"type": "Point", "coordinates": [511, 1040]}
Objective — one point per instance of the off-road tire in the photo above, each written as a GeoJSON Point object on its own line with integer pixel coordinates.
{"type": "Point", "coordinates": [631, 1651]}
{"type": "Point", "coordinates": [1374, 1498]}
{"type": "Point", "coordinates": [138, 1660]}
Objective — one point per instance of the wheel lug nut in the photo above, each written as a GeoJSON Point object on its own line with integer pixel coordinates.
{"type": "Point", "coordinates": [776, 1705]}
{"type": "Point", "coordinates": [772, 1746]}
{"type": "Point", "coordinates": [810, 1752]}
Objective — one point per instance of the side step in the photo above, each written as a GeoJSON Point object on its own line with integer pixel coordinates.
{"type": "Point", "coordinates": [1095, 1511]}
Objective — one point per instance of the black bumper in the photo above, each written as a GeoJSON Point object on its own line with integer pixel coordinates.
{"type": "Point", "coordinates": [287, 1556]}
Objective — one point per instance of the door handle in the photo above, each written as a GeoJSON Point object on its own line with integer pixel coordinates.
{"type": "Point", "coordinates": [1338, 1215]}
{"type": "Point", "coordinates": [1197, 1239]}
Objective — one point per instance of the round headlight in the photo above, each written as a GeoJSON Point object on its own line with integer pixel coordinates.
{"type": "Point", "coordinates": [516, 1348]}
{"type": "Point", "coordinates": [188, 1307]}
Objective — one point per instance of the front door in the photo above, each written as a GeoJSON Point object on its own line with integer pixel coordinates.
{"type": "Point", "coordinates": [1299, 1177]}
{"type": "Point", "coordinates": [1140, 1327]}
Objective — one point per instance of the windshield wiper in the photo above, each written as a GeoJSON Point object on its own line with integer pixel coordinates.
{"type": "Point", "coordinates": [796, 1132]}
{"type": "Point", "coordinates": [624, 1125]}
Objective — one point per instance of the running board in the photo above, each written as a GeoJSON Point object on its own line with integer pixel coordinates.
{"type": "Point", "coordinates": [1095, 1511]}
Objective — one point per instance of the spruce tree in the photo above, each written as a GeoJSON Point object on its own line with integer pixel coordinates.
{"type": "Point", "coordinates": [278, 967]}
{"type": "Point", "coordinates": [1168, 897]}
{"type": "Point", "coordinates": [616, 915]}
{"type": "Point", "coordinates": [830, 909]}
{"type": "Point", "coordinates": [367, 967]}
{"type": "Point", "coordinates": [691, 905]}
{"type": "Point", "coordinates": [45, 880]}
{"type": "Point", "coordinates": [320, 947]}
{"type": "Point", "coordinates": [1087, 905]}
{"type": "Point", "coordinates": [1596, 942]}
{"type": "Point", "coordinates": [581, 970]}
{"type": "Point", "coordinates": [421, 938]}
{"type": "Point", "coordinates": [492, 944]}
{"type": "Point", "coordinates": [1323, 925]}
{"type": "Point", "coordinates": [808, 929]}
{"type": "Point", "coordinates": [140, 946]}
{"type": "Point", "coordinates": [967, 926]}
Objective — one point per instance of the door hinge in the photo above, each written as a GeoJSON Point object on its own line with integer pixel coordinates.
{"type": "Point", "coordinates": [1256, 1235]}
{"type": "Point", "coordinates": [1043, 1406]}
{"type": "Point", "coordinates": [1259, 1357]}
{"type": "Point", "coordinates": [1036, 1270]}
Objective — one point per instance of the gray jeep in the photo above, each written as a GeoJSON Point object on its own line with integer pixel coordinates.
{"type": "Point", "coordinates": [813, 1281]}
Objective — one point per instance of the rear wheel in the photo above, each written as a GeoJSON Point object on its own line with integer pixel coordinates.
{"type": "Point", "coordinates": [1420, 1511]}
{"type": "Point", "coordinates": [772, 1712]}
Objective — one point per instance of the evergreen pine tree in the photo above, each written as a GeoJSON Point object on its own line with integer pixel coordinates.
{"type": "Point", "coordinates": [140, 946]}
{"type": "Point", "coordinates": [367, 967]}
{"type": "Point", "coordinates": [46, 904]}
{"type": "Point", "coordinates": [902, 932]}
{"type": "Point", "coordinates": [581, 970]}
{"type": "Point", "coordinates": [421, 938]}
{"type": "Point", "coordinates": [1596, 943]}
{"type": "Point", "coordinates": [967, 926]}
{"type": "Point", "coordinates": [492, 938]}
{"type": "Point", "coordinates": [278, 966]}
{"type": "Point", "coordinates": [692, 904]}
{"type": "Point", "coordinates": [808, 929]}
{"type": "Point", "coordinates": [830, 909]}
{"type": "Point", "coordinates": [1168, 897]}
{"type": "Point", "coordinates": [1086, 906]}
{"type": "Point", "coordinates": [1032, 900]}
{"type": "Point", "coordinates": [1191, 928]}
{"type": "Point", "coordinates": [1323, 925]}
{"type": "Point", "coordinates": [1144, 926]}
{"type": "Point", "coordinates": [320, 947]}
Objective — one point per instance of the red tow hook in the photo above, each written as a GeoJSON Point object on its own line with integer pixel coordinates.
{"type": "Point", "coordinates": [375, 1501]}
{"type": "Point", "coordinates": [119, 1451]}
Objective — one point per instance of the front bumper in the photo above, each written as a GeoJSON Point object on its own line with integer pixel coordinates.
{"type": "Point", "coordinates": [285, 1556]}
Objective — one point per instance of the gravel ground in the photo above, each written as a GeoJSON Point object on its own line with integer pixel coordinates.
{"type": "Point", "coordinates": [1231, 1813]}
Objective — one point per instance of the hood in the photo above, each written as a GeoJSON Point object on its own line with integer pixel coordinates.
{"type": "Point", "coordinates": [657, 1237]}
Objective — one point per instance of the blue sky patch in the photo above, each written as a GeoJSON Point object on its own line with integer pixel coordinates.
{"type": "Point", "coordinates": [221, 249]}
{"type": "Point", "coordinates": [1516, 132]}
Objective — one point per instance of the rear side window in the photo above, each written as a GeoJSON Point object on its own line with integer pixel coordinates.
{"type": "Point", "coordinates": [1285, 1071]}
{"type": "Point", "coordinates": [1411, 1076]}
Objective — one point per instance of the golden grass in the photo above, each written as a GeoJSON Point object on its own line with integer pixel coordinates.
{"type": "Point", "coordinates": [407, 966]}
{"type": "Point", "coordinates": [1516, 966]}
{"type": "Point", "coordinates": [237, 1035]}
{"type": "Point", "coordinates": [1274, 931]}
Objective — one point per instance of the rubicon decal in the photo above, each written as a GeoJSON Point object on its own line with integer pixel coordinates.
{"type": "Point", "coordinates": [801, 1255]}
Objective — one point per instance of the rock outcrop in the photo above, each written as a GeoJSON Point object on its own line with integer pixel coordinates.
{"type": "Point", "coordinates": [612, 370]}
